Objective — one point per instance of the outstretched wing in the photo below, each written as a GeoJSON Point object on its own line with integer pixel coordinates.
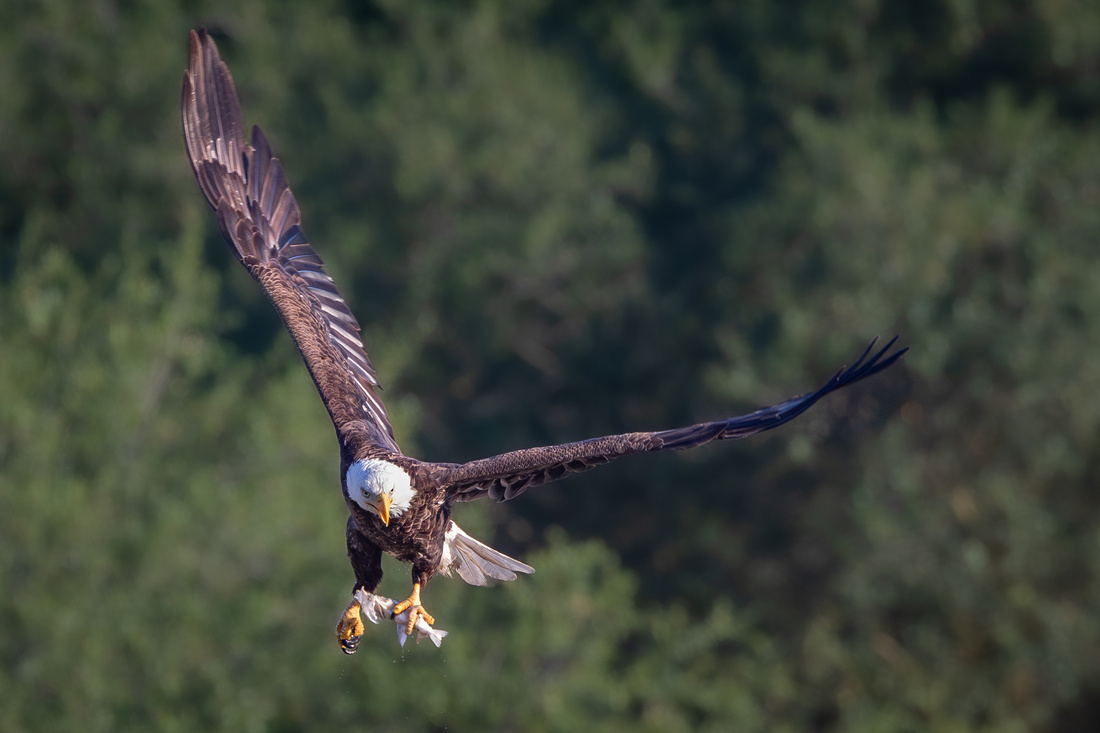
{"type": "Point", "coordinates": [260, 219]}
{"type": "Point", "coordinates": [508, 475]}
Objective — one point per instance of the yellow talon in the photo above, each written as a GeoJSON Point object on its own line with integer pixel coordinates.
{"type": "Point", "coordinates": [412, 604]}
{"type": "Point", "coordinates": [349, 629]}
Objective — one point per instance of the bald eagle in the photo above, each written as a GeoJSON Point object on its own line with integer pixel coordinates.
{"type": "Point", "coordinates": [398, 504]}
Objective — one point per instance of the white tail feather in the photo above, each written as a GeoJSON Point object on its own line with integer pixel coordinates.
{"type": "Point", "coordinates": [475, 560]}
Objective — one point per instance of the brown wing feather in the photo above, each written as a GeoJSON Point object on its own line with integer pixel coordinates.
{"type": "Point", "coordinates": [508, 475]}
{"type": "Point", "coordinates": [261, 221]}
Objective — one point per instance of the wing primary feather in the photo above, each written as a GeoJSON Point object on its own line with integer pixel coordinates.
{"type": "Point", "coordinates": [257, 212]}
{"type": "Point", "coordinates": [508, 475]}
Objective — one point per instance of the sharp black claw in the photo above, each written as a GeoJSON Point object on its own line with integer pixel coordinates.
{"type": "Point", "coordinates": [348, 646]}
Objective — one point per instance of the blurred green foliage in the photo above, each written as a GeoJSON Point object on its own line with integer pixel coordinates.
{"type": "Point", "coordinates": [556, 220]}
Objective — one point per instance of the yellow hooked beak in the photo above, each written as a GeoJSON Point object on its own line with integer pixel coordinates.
{"type": "Point", "coordinates": [382, 506]}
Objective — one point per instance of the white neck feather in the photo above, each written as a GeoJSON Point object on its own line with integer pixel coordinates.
{"type": "Point", "coordinates": [369, 478]}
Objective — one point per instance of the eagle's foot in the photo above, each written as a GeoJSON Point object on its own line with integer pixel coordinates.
{"type": "Point", "coordinates": [376, 608]}
{"type": "Point", "coordinates": [416, 611]}
{"type": "Point", "coordinates": [349, 629]}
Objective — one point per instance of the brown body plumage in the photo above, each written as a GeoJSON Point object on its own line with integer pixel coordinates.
{"type": "Point", "coordinates": [260, 219]}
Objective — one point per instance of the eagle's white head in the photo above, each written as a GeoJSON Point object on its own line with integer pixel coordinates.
{"type": "Point", "coordinates": [381, 487]}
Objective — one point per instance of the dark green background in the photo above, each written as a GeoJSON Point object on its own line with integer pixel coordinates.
{"type": "Point", "coordinates": [557, 220]}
